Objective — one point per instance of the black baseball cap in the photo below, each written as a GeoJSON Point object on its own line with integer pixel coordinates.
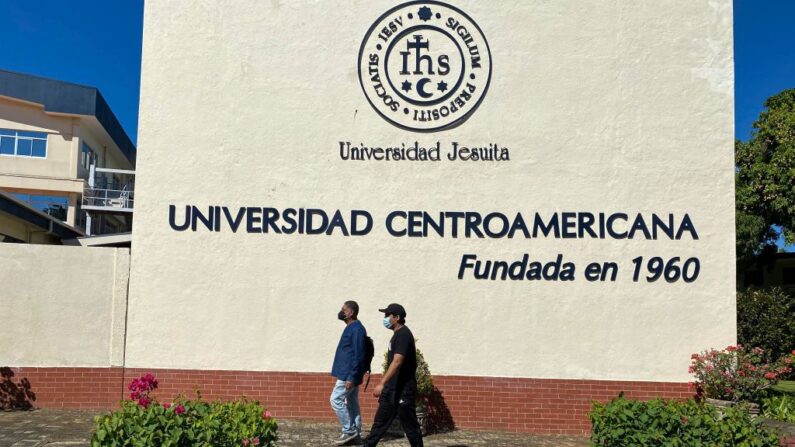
{"type": "Point", "coordinates": [394, 309]}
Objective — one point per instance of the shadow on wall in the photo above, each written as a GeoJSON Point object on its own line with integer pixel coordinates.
{"type": "Point", "coordinates": [439, 418]}
{"type": "Point", "coordinates": [13, 395]}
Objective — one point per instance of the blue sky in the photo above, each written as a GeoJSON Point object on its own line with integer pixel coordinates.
{"type": "Point", "coordinates": [764, 56]}
{"type": "Point", "coordinates": [90, 42]}
{"type": "Point", "coordinates": [98, 43]}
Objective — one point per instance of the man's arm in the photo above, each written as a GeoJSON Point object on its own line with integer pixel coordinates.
{"type": "Point", "coordinates": [358, 356]}
{"type": "Point", "coordinates": [394, 367]}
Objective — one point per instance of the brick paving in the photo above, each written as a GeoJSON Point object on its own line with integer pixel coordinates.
{"type": "Point", "coordinates": [55, 428]}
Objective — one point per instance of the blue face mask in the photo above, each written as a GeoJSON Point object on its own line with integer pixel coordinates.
{"type": "Point", "coordinates": [387, 323]}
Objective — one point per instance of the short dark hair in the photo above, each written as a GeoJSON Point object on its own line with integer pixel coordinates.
{"type": "Point", "coordinates": [401, 318]}
{"type": "Point", "coordinates": [354, 306]}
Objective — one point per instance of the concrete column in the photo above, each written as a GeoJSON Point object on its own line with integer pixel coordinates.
{"type": "Point", "coordinates": [74, 157]}
{"type": "Point", "coordinates": [71, 214]}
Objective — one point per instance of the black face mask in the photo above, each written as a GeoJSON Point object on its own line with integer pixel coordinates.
{"type": "Point", "coordinates": [341, 315]}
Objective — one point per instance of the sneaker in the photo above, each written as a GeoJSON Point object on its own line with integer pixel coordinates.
{"type": "Point", "coordinates": [346, 438]}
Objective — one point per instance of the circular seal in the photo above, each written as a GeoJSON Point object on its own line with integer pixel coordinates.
{"type": "Point", "coordinates": [425, 66]}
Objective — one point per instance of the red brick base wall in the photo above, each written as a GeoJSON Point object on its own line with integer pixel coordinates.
{"type": "Point", "coordinates": [520, 405]}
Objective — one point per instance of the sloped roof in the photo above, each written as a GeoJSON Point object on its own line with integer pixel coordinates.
{"type": "Point", "coordinates": [66, 97]}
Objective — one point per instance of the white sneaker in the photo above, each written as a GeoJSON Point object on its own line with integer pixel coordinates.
{"type": "Point", "coordinates": [346, 438]}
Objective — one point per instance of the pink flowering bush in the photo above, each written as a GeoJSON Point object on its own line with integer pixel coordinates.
{"type": "Point", "coordinates": [736, 373]}
{"type": "Point", "coordinates": [140, 389]}
{"type": "Point", "coordinates": [142, 421]}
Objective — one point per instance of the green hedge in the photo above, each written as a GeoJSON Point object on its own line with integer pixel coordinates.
{"type": "Point", "coordinates": [766, 318]}
{"type": "Point", "coordinates": [624, 422]}
{"type": "Point", "coordinates": [186, 424]}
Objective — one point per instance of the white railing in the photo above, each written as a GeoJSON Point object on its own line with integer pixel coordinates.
{"type": "Point", "coordinates": [98, 197]}
{"type": "Point", "coordinates": [108, 198]}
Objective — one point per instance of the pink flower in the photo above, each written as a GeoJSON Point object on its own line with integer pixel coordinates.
{"type": "Point", "coordinates": [691, 369]}
{"type": "Point", "coordinates": [731, 348]}
{"type": "Point", "coordinates": [144, 402]}
{"type": "Point", "coordinates": [255, 441]}
{"type": "Point", "coordinates": [179, 409]}
{"type": "Point", "coordinates": [267, 415]}
{"type": "Point", "coordinates": [246, 442]}
{"type": "Point", "coordinates": [166, 405]}
{"type": "Point", "coordinates": [770, 376]}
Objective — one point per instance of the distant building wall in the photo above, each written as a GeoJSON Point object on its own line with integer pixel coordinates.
{"type": "Point", "coordinates": [778, 271]}
{"type": "Point", "coordinates": [56, 166]}
{"type": "Point", "coordinates": [63, 172]}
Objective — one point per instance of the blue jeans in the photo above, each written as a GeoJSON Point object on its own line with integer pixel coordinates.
{"type": "Point", "coordinates": [346, 404]}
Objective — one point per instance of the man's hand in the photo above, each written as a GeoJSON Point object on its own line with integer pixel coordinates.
{"type": "Point", "coordinates": [348, 384]}
{"type": "Point", "coordinates": [378, 390]}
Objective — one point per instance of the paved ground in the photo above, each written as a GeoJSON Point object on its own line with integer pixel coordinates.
{"type": "Point", "coordinates": [55, 428]}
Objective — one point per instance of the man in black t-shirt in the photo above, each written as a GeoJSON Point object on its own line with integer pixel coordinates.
{"type": "Point", "coordinates": [397, 392]}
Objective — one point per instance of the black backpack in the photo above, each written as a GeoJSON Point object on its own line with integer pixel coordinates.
{"type": "Point", "coordinates": [369, 353]}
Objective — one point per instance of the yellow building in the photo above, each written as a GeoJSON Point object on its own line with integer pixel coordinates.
{"type": "Point", "coordinates": [64, 153]}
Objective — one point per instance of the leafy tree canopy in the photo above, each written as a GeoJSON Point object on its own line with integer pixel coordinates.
{"type": "Point", "coordinates": [765, 179]}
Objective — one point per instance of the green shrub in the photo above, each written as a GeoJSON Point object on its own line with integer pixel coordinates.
{"type": "Point", "coordinates": [780, 407]}
{"type": "Point", "coordinates": [766, 318]}
{"type": "Point", "coordinates": [623, 422]}
{"type": "Point", "coordinates": [186, 423]}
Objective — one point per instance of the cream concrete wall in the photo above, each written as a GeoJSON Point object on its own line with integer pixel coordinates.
{"type": "Point", "coordinates": [605, 105]}
{"type": "Point", "coordinates": [62, 306]}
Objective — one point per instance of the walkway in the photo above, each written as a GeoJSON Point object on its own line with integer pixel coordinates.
{"type": "Point", "coordinates": [55, 428]}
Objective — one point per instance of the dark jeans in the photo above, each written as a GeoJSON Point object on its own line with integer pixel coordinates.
{"type": "Point", "coordinates": [393, 404]}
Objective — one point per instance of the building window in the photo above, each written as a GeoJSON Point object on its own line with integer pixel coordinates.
{"type": "Point", "coordinates": [23, 144]}
{"type": "Point", "coordinates": [55, 206]}
{"type": "Point", "coordinates": [87, 155]}
{"type": "Point", "coordinates": [788, 276]}
{"type": "Point", "coordinates": [754, 278]}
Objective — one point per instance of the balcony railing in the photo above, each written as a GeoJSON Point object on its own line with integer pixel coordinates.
{"type": "Point", "coordinates": [118, 199]}
{"type": "Point", "coordinates": [109, 191]}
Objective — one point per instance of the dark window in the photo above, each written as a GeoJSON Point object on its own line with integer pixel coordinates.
{"type": "Point", "coordinates": [754, 278]}
{"type": "Point", "coordinates": [788, 276]}
{"type": "Point", "coordinates": [55, 206]}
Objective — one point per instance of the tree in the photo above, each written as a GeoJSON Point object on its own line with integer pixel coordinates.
{"type": "Point", "coordinates": [765, 180]}
{"type": "Point", "coordinates": [766, 319]}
